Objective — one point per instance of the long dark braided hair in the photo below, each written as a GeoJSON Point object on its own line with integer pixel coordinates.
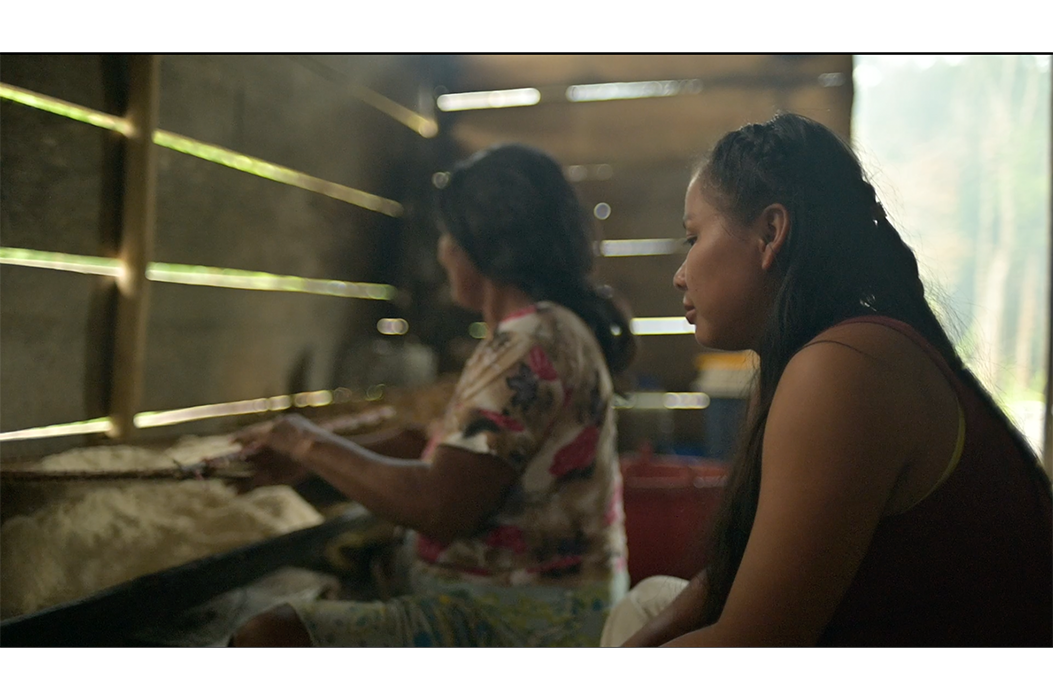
{"type": "Point", "coordinates": [842, 258]}
{"type": "Point", "coordinates": [514, 213]}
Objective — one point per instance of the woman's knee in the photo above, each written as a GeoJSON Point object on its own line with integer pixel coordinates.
{"type": "Point", "coordinates": [277, 627]}
{"type": "Point", "coordinates": [642, 604]}
{"type": "Point", "coordinates": [654, 594]}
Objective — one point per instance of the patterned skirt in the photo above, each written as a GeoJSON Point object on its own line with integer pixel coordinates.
{"type": "Point", "coordinates": [459, 614]}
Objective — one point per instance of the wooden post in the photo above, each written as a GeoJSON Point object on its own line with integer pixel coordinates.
{"type": "Point", "coordinates": [136, 247]}
{"type": "Point", "coordinates": [847, 95]}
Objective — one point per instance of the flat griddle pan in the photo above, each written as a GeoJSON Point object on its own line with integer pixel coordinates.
{"type": "Point", "coordinates": [110, 617]}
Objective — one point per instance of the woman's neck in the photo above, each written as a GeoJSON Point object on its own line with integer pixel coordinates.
{"type": "Point", "coordinates": [501, 301]}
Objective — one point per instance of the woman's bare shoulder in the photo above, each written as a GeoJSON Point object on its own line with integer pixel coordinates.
{"type": "Point", "coordinates": [860, 383]}
{"type": "Point", "coordinates": [886, 346]}
{"type": "Point", "coordinates": [890, 362]}
{"type": "Point", "coordinates": [869, 384]}
{"type": "Point", "coordinates": [849, 378]}
{"type": "Point", "coordinates": [858, 352]}
{"type": "Point", "coordinates": [836, 441]}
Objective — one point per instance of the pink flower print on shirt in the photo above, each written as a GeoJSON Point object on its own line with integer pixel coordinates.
{"type": "Point", "coordinates": [525, 311]}
{"type": "Point", "coordinates": [541, 365]}
{"type": "Point", "coordinates": [507, 537]}
{"type": "Point", "coordinates": [577, 454]}
{"type": "Point", "coordinates": [502, 421]}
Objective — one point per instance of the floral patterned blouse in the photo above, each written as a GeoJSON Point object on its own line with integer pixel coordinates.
{"type": "Point", "coordinates": [537, 395]}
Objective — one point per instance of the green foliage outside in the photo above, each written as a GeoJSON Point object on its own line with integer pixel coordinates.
{"type": "Point", "coordinates": [959, 151]}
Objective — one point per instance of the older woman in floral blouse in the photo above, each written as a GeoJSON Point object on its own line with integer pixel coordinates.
{"type": "Point", "coordinates": [516, 502]}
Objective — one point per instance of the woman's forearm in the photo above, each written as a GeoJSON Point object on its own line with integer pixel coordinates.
{"type": "Point", "coordinates": [450, 496]}
{"type": "Point", "coordinates": [404, 443]}
{"type": "Point", "coordinates": [394, 489]}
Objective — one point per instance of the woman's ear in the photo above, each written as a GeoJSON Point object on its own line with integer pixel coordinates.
{"type": "Point", "coordinates": [773, 225]}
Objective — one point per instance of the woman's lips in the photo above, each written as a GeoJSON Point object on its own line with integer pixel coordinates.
{"type": "Point", "coordinates": [689, 314]}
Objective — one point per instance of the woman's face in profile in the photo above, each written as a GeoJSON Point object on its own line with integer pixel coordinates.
{"type": "Point", "coordinates": [721, 278]}
{"type": "Point", "coordinates": [464, 277]}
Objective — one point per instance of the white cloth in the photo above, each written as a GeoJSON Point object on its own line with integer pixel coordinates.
{"type": "Point", "coordinates": [640, 605]}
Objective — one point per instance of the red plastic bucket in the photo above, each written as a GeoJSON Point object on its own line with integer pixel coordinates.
{"type": "Point", "coordinates": [669, 507]}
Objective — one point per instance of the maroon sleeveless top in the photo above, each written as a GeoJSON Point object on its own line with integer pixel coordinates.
{"type": "Point", "coordinates": [972, 563]}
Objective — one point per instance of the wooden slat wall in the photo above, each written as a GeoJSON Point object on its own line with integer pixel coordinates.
{"type": "Point", "coordinates": [497, 71]}
{"type": "Point", "coordinates": [96, 81]}
{"type": "Point", "coordinates": [295, 111]}
{"type": "Point", "coordinates": [736, 90]}
{"type": "Point", "coordinates": [59, 178]}
{"type": "Point", "coordinates": [138, 217]}
{"type": "Point", "coordinates": [53, 333]}
{"type": "Point", "coordinates": [215, 345]}
{"type": "Point", "coordinates": [59, 186]}
{"type": "Point", "coordinates": [208, 214]}
{"type": "Point", "coordinates": [62, 193]}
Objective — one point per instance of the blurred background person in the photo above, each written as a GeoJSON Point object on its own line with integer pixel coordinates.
{"type": "Point", "coordinates": [881, 497]}
{"type": "Point", "coordinates": [516, 501]}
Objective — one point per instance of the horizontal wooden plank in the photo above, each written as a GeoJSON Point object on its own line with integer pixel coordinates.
{"type": "Point", "coordinates": [495, 72]}
{"type": "Point", "coordinates": [666, 362]}
{"type": "Point", "coordinates": [22, 451]}
{"type": "Point", "coordinates": [384, 74]}
{"type": "Point", "coordinates": [645, 282]}
{"type": "Point", "coordinates": [208, 214]}
{"type": "Point", "coordinates": [658, 129]}
{"type": "Point", "coordinates": [651, 222]}
{"type": "Point", "coordinates": [285, 110]}
{"type": "Point", "coordinates": [735, 90]}
{"type": "Point", "coordinates": [53, 326]}
{"type": "Point", "coordinates": [636, 188]}
{"type": "Point", "coordinates": [206, 345]}
{"type": "Point", "coordinates": [59, 183]}
{"type": "Point", "coordinates": [87, 79]}
{"type": "Point", "coordinates": [830, 107]}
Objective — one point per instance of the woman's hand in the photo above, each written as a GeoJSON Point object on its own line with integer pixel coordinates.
{"type": "Point", "coordinates": [277, 450]}
{"type": "Point", "coordinates": [448, 498]}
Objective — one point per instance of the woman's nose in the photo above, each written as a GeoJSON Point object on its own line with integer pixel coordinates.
{"type": "Point", "coordinates": [678, 279]}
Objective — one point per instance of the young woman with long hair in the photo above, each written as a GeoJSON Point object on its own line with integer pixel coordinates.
{"type": "Point", "coordinates": [879, 495]}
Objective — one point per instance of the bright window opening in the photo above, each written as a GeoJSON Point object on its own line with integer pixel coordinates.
{"type": "Point", "coordinates": [958, 149]}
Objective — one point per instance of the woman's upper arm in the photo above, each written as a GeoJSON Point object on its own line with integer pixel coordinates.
{"type": "Point", "coordinates": [467, 487]}
{"type": "Point", "coordinates": [493, 431]}
{"type": "Point", "coordinates": [835, 442]}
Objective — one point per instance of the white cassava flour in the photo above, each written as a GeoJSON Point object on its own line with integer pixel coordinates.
{"type": "Point", "coordinates": [95, 537]}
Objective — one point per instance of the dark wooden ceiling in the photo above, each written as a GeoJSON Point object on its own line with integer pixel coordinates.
{"type": "Point", "coordinates": [736, 89]}
{"type": "Point", "coordinates": [648, 146]}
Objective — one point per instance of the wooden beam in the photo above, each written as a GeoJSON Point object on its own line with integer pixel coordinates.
{"type": "Point", "coordinates": [496, 72]}
{"type": "Point", "coordinates": [136, 247]}
{"type": "Point", "coordinates": [658, 129]}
